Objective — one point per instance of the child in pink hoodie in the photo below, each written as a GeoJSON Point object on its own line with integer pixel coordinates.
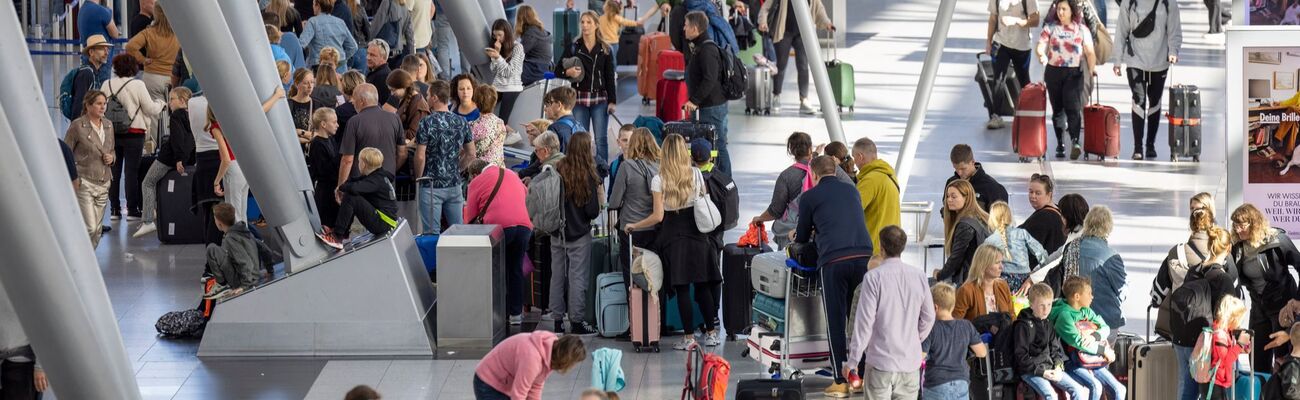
{"type": "Point", "coordinates": [516, 369]}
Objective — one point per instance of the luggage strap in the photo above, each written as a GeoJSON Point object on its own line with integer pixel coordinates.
{"type": "Point", "coordinates": [1184, 121]}
{"type": "Point", "coordinates": [1031, 113]}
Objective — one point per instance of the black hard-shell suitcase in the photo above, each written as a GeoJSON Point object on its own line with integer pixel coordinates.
{"type": "Point", "coordinates": [690, 130]}
{"type": "Point", "coordinates": [1184, 122]}
{"type": "Point", "coordinates": [999, 97]}
{"type": "Point", "coordinates": [629, 40]}
{"type": "Point", "coordinates": [539, 284]}
{"type": "Point", "coordinates": [737, 291]}
{"type": "Point", "coordinates": [178, 221]}
{"type": "Point", "coordinates": [769, 389]}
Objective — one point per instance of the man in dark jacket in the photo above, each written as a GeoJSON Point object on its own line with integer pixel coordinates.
{"type": "Point", "coordinates": [833, 210]}
{"type": "Point", "coordinates": [370, 198]}
{"type": "Point", "coordinates": [704, 83]}
{"type": "Point", "coordinates": [377, 62]}
{"type": "Point", "coordinates": [88, 74]}
{"type": "Point", "coordinates": [1037, 350]}
{"type": "Point", "coordinates": [987, 189]}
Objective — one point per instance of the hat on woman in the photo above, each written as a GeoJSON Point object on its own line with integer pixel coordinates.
{"type": "Point", "coordinates": [95, 41]}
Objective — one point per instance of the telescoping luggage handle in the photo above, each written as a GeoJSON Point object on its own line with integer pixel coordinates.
{"type": "Point", "coordinates": [832, 52]}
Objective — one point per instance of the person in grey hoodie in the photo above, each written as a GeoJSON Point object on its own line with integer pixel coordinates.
{"type": "Point", "coordinates": [392, 23]}
{"type": "Point", "coordinates": [1147, 42]}
{"type": "Point", "coordinates": [20, 373]}
{"type": "Point", "coordinates": [537, 44]}
{"type": "Point", "coordinates": [235, 263]}
{"type": "Point", "coordinates": [631, 192]}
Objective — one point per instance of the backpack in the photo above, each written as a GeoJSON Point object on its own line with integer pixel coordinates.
{"type": "Point", "coordinates": [1201, 363]}
{"type": "Point", "coordinates": [116, 112]}
{"type": "Point", "coordinates": [1188, 308]}
{"type": "Point", "coordinates": [545, 200]}
{"type": "Point", "coordinates": [788, 221]}
{"type": "Point", "coordinates": [725, 195]}
{"type": "Point", "coordinates": [182, 324]}
{"type": "Point", "coordinates": [706, 375]}
{"type": "Point", "coordinates": [734, 79]}
{"type": "Point", "coordinates": [1003, 353]}
{"type": "Point", "coordinates": [719, 29]}
{"type": "Point", "coordinates": [1285, 384]}
{"type": "Point", "coordinates": [66, 100]}
{"type": "Point", "coordinates": [654, 124]}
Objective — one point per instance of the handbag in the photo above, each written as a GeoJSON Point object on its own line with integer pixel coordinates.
{"type": "Point", "coordinates": [501, 176]}
{"type": "Point", "coordinates": [707, 216]}
{"type": "Point", "coordinates": [805, 254]}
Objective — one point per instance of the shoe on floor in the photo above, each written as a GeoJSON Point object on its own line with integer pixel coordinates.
{"type": "Point", "coordinates": [330, 240]}
{"type": "Point", "coordinates": [1076, 151]}
{"type": "Point", "coordinates": [1151, 154]}
{"type": "Point", "coordinates": [837, 390]}
{"type": "Point", "coordinates": [995, 123]}
{"type": "Point", "coordinates": [559, 327]}
{"type": "Point", "coordinates": [805, 109]}
{"type": "Point", "coordinates": [105, 229]}
{"type": "Point", "coordinates": [516, 320]}
{"type": "Point", "coordinates": [684, 344]}
{"type": "Point", "coordinates": [582, 328]}
{"type": "Point", "coordinates": [711, 339]}
{"type": "Point", "coordinates": [217, 291]}
{"type": "Point", "coordinates": [776, 108]}
{"type": "Point", "coordinates": [1137, 155]}
{"type": "Point", "coordinates": [145, 229]}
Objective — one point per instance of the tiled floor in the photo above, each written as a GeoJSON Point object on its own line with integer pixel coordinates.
{"type": "Point", "coordinates": [1149, 199]}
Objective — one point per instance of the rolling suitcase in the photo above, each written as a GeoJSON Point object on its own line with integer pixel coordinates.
{"type": "Point", "coordinates": [178, 222]}
{"type": "Point", "coordinates": [1120, 366]}
{"type": "Point", "coordinates": [768, 312]}
{"type": "Point", "coordinates": [628, 40]}
{"type": "Point", "coordinates": [737, 294]}
{"type": "Point", "coordinates": [565, 27]}
{"type": "Point", "coordinates": [1029, 128]}
{"type": "Point", "coordinates": [1100, 130]}
{"type": "Point", "coordinates": [690, 130]}
{"type": "Point", "coordinates": [766, 347]}
{"type": "Point", "coordinates": [1149, 368]}
{"type": "Point", "coordinates": [768, 274]}
{"type": "Point", "coordinates": [644, 318]}
{"type": "Point", "coordinates": [758, 95]}
{"type": "Point", "coordinates": [611, 304]}
{"type": "Point", "coordinates": [1184, 122]}
{"type": "Point", "coordinates": [769, 389]}
{"type": "Point", "coordinates": [671, 97]}
{"type": "Point", "coordinates": [999, 97]}
{"type": "Point", "coordinates": [600, 261]}
{"type": "Point", "coordinates": [539, 284]}
{"type": "Point", "coordinates": [428, 245]}
{"type": "Point", "coordinates": [842, 81]}
{"type": "Point", "coordinates": [647, 63]}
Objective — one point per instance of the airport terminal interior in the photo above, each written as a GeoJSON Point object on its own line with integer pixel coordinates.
{"type": "Point", "coordinates": [886, 43]}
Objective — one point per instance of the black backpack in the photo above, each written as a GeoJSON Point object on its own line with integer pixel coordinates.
{"type": "Point", "coordinates": [1286, 374]}
{"type": "Point", "coordinates": [734, 80]}
{"type": "Point", "coordinates": [116, 112]}
{"type": "Point", "coordinates": [724, 194]}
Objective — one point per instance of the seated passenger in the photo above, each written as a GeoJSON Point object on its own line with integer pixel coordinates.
{"type": "Point", "coordinates": [234, 264]}
{"type": "Point", "coordinates": [370, 198]}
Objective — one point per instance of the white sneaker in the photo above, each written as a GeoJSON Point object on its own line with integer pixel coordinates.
{"type": "Point", "coordinates": [516, 320]}
{"type": "Point", "coordinates": [684, 344]}
{"type": "Point", "coordinates": [995, 123]}
{"type": "Point", "coordinates": [132, 218]}
{"type": "Point", "coordinates": [145, 229]}
{"type": "Point", "coordinates": [805, 109]}
{"type": "Point", "coordinates": [711, 339]}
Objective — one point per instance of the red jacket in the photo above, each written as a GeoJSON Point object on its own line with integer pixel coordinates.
{"type": "Point", "coordinates": [1224, 354]}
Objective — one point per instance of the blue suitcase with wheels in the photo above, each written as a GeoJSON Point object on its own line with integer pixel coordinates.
{"type": "Point", "coordinates": [673, 318]}
{"type": "Point", "coordinates": [428, 245]}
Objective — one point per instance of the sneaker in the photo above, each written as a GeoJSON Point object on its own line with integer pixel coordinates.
{"type": "Point", "coordinates": [776, 108]}
{"type": "Point", "coordinates": [1151, 154]}
{"type": "Point", "coordinates": [1137, 155]}
{"type": "Point", "coordinates": [115, 217]}
{"type": "Point", "coordinates": [711, 339]}
{"type": "Point", "coordinates": [145, 229]}
{"type": "Point", "coordinates": [837, 391]}
{"type": "Point", "coordinates": [133, 217]}
{"type": "Point", "coordinates": [582, 328]}
{"type": "Point", "coordinates": [1075, 151]}
{"type": "Point", "coordinates": [516, 320]}
{"type": "Point", "coordinates": [686, 343]}
{"type": "Point", "coordinates": [995, 123]}
{"type": "Point", "coordinates": [330, 240]}
{"type": "Point", "coordinates": [217, 291]}
{"type": "Point", "coordinates": [805, 109]}
{"type": "Point", "coordinates": [559, 327]}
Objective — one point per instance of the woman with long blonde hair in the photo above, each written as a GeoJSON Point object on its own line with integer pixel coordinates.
{"type": "Point", "coordinates": [1266, 257]}
{"type": "Point", "coordinates": [1016, 245]}
{"type": "Point", "coordinates": [965, 227]}
{"type": "Point", "coordinates": [984, 291]}
{"type": "Point", "coordinates": [688, 255]}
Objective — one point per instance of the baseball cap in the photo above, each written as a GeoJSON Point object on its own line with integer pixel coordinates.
{"type": "Point", "coordinates": [701, 150]}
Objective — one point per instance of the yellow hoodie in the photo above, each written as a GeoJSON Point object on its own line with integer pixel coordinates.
{"type": "Point", "coordinates": [881, 205]}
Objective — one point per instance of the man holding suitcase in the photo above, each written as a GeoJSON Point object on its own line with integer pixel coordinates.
{"type": "Point", "coordinates": [1008, 42]}
{"type": "Point", "coordinates": [704, 84]}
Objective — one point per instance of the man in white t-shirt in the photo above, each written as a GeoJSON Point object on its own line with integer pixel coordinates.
{"type": "Point", "coordinates": [1007, 42]}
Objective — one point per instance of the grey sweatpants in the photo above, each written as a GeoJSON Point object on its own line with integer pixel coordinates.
{"type": "Point", "coordinates": [150, 189]}
{"type": "Point", "coordinates": [569, 266]}
{"type": "Point", "coordinates": [884, 385]}
{"type": "Point", "coordinates": [221, 268]}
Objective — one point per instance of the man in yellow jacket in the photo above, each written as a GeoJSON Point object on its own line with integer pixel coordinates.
{"type": "Point", "coordinates": [878, 189]}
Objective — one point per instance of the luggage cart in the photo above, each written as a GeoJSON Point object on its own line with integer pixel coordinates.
{"type": "Point", "coordinates": [805, 332]}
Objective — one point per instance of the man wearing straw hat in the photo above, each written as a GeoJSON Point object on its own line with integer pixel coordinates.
{"type": "Point", "coordinates": [87, 78]}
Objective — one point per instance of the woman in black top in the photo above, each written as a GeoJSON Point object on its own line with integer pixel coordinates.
{"type": "Point", "coordinates": [571, 250]}
{"type": "Point", "coordinates": [323, 162]}
{"type": "Point", "coordinates": [1046, 224]}
{"type": "Point", "coordinates": [594, 80]}
{"type": "Point", "coordinates": [537, 44]}
{"type": "Point", "coordinates": [301, 104]}
{"type": "Point", "coordinates": [1265, 257]}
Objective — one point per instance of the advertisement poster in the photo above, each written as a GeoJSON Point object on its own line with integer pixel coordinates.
{"type": "Point", "coordinates": [1273, 12]}
{"type": "Point", "coordinates": [1272, 133]}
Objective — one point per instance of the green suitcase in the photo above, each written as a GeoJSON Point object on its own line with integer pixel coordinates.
{"type": "Point", "coordinates": [842, 83]}
{"type": "Point", "coordinates": [566, 31]}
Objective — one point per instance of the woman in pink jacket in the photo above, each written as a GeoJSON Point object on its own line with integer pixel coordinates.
{"type": "Point", "coordinates": [516, 369]}
{"type": "Point", "coordinates": [496, 196]}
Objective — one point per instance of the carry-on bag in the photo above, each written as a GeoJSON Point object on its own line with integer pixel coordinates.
{"type": "Point", "coordinates": [758, 94]}
{"type": "Point", "coordinates": [178, 220]}
{"type": "Point", "coordinates": [766, 346]}
{"type": "Point", "coordinates": [1029, 128]}
{"type": "Point", "coordinates": [647, 63]}
{"type": "Point", "coordinates": [999, 97]}
{"type": "Point", "coordinates": [737, 293]}
{"type": "Point", "coordinates": [769, 389]}
{"type": "Point", "coordinates": [767, 312]}
{"type": "Point", "coordinates": [1184, 122]}
{"type": "Point", "coordinates": [690, 129]}
{"type": "Point", "coordinates": [628, 40]}
{"type": "Point", "coordinates": [842, 80]}
{"type": "Point", "coordinates": [1152, 368]}
{"type": "Point", "coordinates": [565, 26]}
{"type": "Point", "coordinates": [706, 375]}
{"type": "Point", "coordinates": [539, 283]}
{"type": "Point", "coordinates": [601, 259]}
{"type": "Point", "coordinates": [643, 313]}
{"type": "Point", "coordinates": [1100, 129]}
{"type": "Point", "coordinates": [768, 274]}
{"type": "Point", "coordinates": [1120, 366]}
{"type": "Point", "coordinates": [672, 96]}
{"type": "Point", "coordinates": [611, 304]}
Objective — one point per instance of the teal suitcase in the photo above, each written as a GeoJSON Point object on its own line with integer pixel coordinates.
{"type": "Point", "coordinates": [768, 312]}
{"type": "Point", "coordinates": [842, 81]}
{"type": "Point", "coordinates": [565, 29]}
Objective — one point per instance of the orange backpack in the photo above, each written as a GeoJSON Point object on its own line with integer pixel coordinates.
{"type": "Point", "coordinates": [706, 375]}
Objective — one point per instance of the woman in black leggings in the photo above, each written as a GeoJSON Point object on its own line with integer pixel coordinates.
{"type": "Point", "coordinates": [1065, 47]}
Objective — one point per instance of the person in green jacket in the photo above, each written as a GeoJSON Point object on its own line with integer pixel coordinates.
{"type": "Point", "coordinates": [878, 189]}
{"type": "Point", "coordinates": [1084, 334]}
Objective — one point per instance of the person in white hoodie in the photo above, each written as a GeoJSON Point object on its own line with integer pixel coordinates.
{"type": "Point", "coordinates": [1147, 42]}
{"type": "Point", "coordinates": [141, 111]}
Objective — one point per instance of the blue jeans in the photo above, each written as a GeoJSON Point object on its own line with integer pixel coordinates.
{"type": "Point", "coordinates": [483, 391]}
{"type": "Point", "coordinates": [717, 115]}
{"type": "Point", "coordinates": [439, 203]}
{"type": "Point", "coordinates": [1043, 387]}
{"type": "Point", "coordinates": [1188, 389]}
{"type": "Point", "coordinates": [596, 119]}
{"type": "Point", "coordinates": [1100, 6]}
{"type": "Point", "coordinates": [1097, 380]}
{"type": "Point", "coordinates": [515, 240]}
{"type": "Point", "coordinates": [955, 390]}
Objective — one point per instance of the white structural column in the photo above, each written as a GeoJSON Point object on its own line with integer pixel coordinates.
{"type": "Point", "coordinates": [808, 33]}
{"type": "Point", "coordinates": [49, 265]}
{"type": "Point", "coordinates": [921, 101]}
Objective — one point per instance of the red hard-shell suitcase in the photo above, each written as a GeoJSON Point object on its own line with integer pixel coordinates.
{"type": "Point", "coordinates": [1029, 128]}
{"type": "Point", "coordinates": [1100, 129]}
{"type": "Point", "coordinates": [671, 97]}
{"type": "Point", "coordinates": [647, 63]}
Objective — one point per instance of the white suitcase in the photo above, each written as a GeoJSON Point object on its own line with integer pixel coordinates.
{"type": "Point", "coordinates": [765, 347]}
{"type": "Point", "coordinates": [768, 274]}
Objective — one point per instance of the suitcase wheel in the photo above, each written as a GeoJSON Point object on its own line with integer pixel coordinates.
{"type": "Point", "coordinates": [745, 352]}
{"type": "Point", "coordinates": [1024, 159]}
{"type": "Point", "coordinates": [636, 349]}
{"type": "Point", "coordinates": [1085, 157]}
{"type": "Point", "coordinates": [1196, 159]}
{"type": "Point", "coordinates": [645, 101]}
{"type": "Point", "coordinates": [656, 348]}
{"type": "Point", "coordinates": [767, 111]}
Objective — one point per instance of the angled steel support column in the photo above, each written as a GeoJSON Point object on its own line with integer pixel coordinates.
{"type": "Point", "coordinates": [470, 25]}
{"type": "Point", "coordinates": [49, 265]}
{"type": "Point", "coordinates": [245, 23]}
{"type": "Point", "coordinates": [492, 11]}
{"type": "Point", "coordinates": [921, 100]}
{"type": "Point", "coordinates": [825, 96]}
{"type": "Point", "coordinates": [210, 46]}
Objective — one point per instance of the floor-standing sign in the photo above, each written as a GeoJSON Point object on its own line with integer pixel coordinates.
{"type": "Point", "coordinates": [1264, 122]}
